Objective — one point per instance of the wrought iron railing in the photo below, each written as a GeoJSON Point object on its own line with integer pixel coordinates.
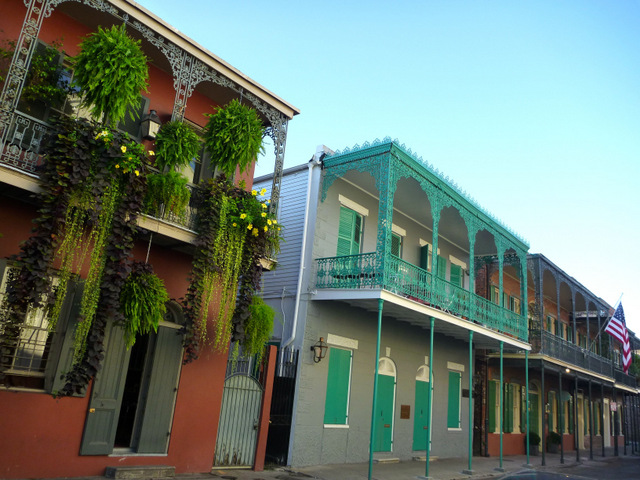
{"type": "Point", "coordinates": [23, 150]}
{"type": "Point", "coordinates": [23, 141]}
{"type": "Point", "coordinates": [557, 347]}
{"type": "Point", "coordinates": [401, 277]}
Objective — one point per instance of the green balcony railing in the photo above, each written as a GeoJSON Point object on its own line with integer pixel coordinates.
{"type": "Point", "coordinates": [401, 277]}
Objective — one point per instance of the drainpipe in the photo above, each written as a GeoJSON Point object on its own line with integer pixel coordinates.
{"type": "Point", "coordinates": [315, 161]}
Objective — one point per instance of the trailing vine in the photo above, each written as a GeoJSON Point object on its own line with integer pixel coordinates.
{"type": "Point", "coordinates": [235, 230]}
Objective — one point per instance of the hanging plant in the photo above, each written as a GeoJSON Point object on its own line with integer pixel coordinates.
{"type": "Point", "coordinates": [143, 301]}
{"type": "Point", "coordinates": [258, 327]}
{"type": "Point", "coordinates": [177, 145]}
{"type": "Point", "coordinates": [167, 193]}
{"type": "Point", "coordinates": [110, 70]}
{"type": "Point", "coordinates": [233, 137]}
{"type": "Point", "coordinates": [234, 230]}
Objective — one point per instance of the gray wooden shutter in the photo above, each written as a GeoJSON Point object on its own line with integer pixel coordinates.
{"type": "Point", "coordinates": [106, 396]}
{"type": "Point", "coordinates": [160, 396]}
{"type": "Point", "coordinates": [61, 353]}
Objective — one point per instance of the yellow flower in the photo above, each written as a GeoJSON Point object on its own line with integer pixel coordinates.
{"type": "Point", "coordinates": [264, 214]}
{"type": "Point", "coordinates": [255, 232]}
{"type": "Point", "coordinates": [243, 216]}
{"type": "Point", "coordinates": [123, 148]}
{"type": "Point", "coordinates": [117, 165]}
{"type": "Point", "coordinates": [269, 222]}
{"type": "Point", "coordinates": [254, 193]}
{"type": "Point", "coordinates": [137, 173]}
{"type": "Point", "coordinates": [274, 222]}
{"type": "Point", "coordinates": [263, 191]}
{"type": "Point", "coordinates": [250, 226]}
{"type": "Point", "coordinates": [151, 153]}
{"type": "Point", "coordinates": [266, 228]}
{"type": "Point", "coordinates": [278, 228]}
{"type": "Point", "coordinates": [264, 205]}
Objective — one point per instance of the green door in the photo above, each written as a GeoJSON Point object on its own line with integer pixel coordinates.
{"type": "Point", "coordinates": [384, 413]}
{"type": "Point", "coordinates": [533, 413]}
{"type": "Point", "coordinates": [421, 416]}
{"type": "Point", "coordinates": [106, 395]}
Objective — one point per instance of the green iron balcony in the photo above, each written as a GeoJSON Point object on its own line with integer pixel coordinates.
{"type": "Point", "coordinates": [364, 271]}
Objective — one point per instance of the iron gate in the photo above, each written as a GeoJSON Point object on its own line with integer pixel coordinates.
{"type": "Point", "coordinates": [282, 407]}
{"type": "Point", "coordinates": [240, 413]}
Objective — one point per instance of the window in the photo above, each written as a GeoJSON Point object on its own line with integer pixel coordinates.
{"type": "Point", "coordinates": [514, 304]}
{"type": "Point", "coordinates": [551, 324]}
{"type": "Point", "coordinates": [396, 245]}
{"type": "Point", "coordinates": [349, 232]}
{"type": "Point", "coordinates": [495, 294]}
{"type": "Point", "coordinates": [442, 267]}
{"type": "Point", "coordinates": [38, 356]}
{"type": "Point", "coordinates": [493, 405]}
{"type": "Point", "coordinates": [336, 405]}
{"type": "Point", "coordinates": [453, 403]}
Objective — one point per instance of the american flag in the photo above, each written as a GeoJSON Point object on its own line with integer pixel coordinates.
{"type": "Point", "coordinates": [617, 328]}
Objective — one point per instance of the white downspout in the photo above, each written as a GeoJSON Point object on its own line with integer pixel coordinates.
{"type": "Point", "coordinates": [314, 162]}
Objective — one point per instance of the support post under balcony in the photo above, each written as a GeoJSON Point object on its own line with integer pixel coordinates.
{"type": "Point", "coordinates": [375, 389]}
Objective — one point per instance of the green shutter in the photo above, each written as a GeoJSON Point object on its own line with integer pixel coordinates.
{"type": "Point", "coordinates": [337, 397]}
{"type": "Point", "coordinates": [61, 356]}
{"type": "Point", "coordinates": [106, 395]}
{"type": "Point", "coordinates": [523, 409]}
{"type": "Point", "coordinates": [508, 408]}
{"type": "Point", "coordinates": [425, 253]}
{"type": "Point", "coordinates": [396, 245]}
{"type": "Point", "coordinates": [349, 232]}
{"type": "Point", "coordinates": [491, 406]}
{"type": "Point", "coordinates": [453, 408]}
{"type": "Point", "coordinates": [442, 267]}
{"type": "Point", "coordinates": [159, 397]}
{"type": "Point", "coordinates": [456, 275]}
{"type": "Point", "coordinates": [552, 401]}
{"type": "Point", "coordinates": [570, 420]}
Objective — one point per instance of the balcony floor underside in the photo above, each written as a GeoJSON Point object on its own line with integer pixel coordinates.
{"type": "Point", "coordinates": [405, 310]}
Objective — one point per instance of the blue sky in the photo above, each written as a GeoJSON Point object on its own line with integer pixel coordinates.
{"type": "Point", "coordinates": [532, 107]}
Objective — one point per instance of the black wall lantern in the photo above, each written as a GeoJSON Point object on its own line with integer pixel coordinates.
{"type": "Point", "coordinates": [319, 350]}
{"type": "Point", "coordinates": [150, 125]}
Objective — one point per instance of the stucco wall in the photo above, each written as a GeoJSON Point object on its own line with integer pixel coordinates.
{"type": "Point", "coordinates": [408, 346]}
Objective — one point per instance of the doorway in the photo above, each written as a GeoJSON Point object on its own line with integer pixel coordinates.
{"type": "Point", "coordinates": [385, 402]}
{"type": "Point", "coordinates": [423, 412]}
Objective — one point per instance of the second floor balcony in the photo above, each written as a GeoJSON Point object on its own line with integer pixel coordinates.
{"type": "Point", "coordinates": [367, 271]}
{"type": "Point", "coordinates": [554, 346]}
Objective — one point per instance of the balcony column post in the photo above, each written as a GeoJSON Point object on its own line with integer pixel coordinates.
{"type": "Point", "coordinates": [625, 423]}
{"type": "Point", "coordinates": [386, 189]}
{"type": "Point", "coordinates": [36, 12]}
{"type": "Point", "coordinates": [599, 334]}
{"type": "Point", "coordinates": [557, 308]}
{"type": "Point", "coordinates": [543, 437]}
{"type": "Point", "coordinates": [469, 471]}
{"type": "Point", "coordinates": [602, 415]}
{"type": "Point", "coordinates": [500, 247]}
{"type": "Point", "coordinates": [527, 412]}
{"type": "Point", "coordinates": [375, 388]}
{"type": "Point", "coordinates": [501, 468]}
{"type": "Point", "coordinates": [588, 338]}
{"type": "Point", "coordinates": [590, 424]}
{"type": "Point", "coordinates": [616, 430]}
{"type": "Point", "coordinates": [561, 415]}
{"type": "Point", "coordinates": [429, 397]}
{"type": "Point", "coordinates": [573, 314]}
{"type": "Point", "coordinates": [575, 419]}
{"type": "Point", "coordinates": [472, 230]}
{"type": "Point", "coordinates": [524, 292]}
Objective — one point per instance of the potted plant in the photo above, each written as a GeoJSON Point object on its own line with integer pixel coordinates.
{"type": "Point", "coordinates": [534, 443]}
{"type": "Point", "coordinates": [177, 144]}
{"type": "Point", "coordinates": [167, 195]}
{"type": "Point", "coordinates": [553, 442]}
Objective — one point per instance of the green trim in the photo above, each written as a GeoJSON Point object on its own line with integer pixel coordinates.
{"type": "Point", "coordinates": [338, 381]}
{"type": "Point", "coordinates": [453, 400]}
